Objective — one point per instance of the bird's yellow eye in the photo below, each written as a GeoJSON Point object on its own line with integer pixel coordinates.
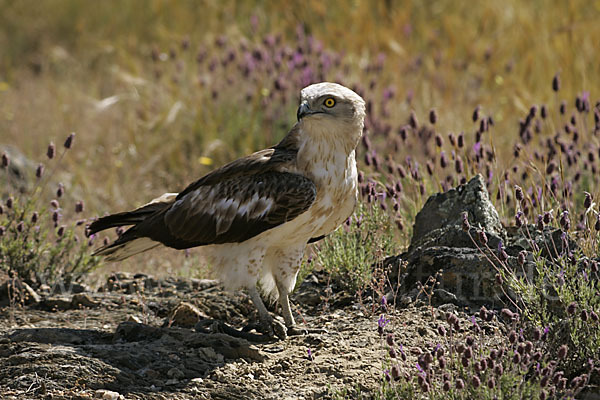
{"type": "Point", "coordinates": [330, 102]}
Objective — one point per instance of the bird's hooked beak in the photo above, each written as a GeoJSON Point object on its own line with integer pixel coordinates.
{"type": "Point", "coordinates": [303, 110]}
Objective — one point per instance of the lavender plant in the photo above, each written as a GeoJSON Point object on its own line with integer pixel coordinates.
{"type": "Point", "coordinates": [561, 293]}
{"type": "Point", "coordinates": [472, 366]}
{"type": "Point", "coordinates": [559, 296]}
{"type": "Point", "coordinates": [40, 244]}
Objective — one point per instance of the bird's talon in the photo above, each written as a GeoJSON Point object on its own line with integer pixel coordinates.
{"type": "Point", "coordinates": [280, 330]}
{"type": "Point", "coordinates": [295, 330]}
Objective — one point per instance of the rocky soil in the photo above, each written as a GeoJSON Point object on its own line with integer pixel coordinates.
{"type": "Point", "coordinates": [135, 339]}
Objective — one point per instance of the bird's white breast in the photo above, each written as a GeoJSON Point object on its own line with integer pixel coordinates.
{"type": "Point", "coordinates": [333, 171]}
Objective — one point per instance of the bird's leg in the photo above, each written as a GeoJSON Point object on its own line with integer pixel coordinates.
{"type": "Point", "coordinates": [272, 327]}
{"type": "Point", "coordinates": [284, 301]}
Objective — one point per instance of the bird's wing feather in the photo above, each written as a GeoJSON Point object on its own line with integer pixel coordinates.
{"type": "Point", "coordinates": [261, 161]}
{"type": "Point", "coordinates": [239, 207]}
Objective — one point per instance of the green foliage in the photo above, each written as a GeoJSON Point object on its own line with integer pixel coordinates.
{"type": "Point", "coordinates": [567, 282]}
{"type": "Point", "coordinates": [349, 253]}
{"type": "Point", "coordinates": [516, 366]}
{"type": "Point", "coordinates": [41, 245]}
{"type": "Point", "coordinates": [40, 253]}
{"type": "Point", "coordinates": [510, 386]}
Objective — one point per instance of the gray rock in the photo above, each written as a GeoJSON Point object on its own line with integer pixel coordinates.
{"type": "Point", "coordinates": [81, 300]}
{"type": "Point", "coordinates": [56, 303]}
{"type": "Point", "coordinates": [439, 223]}
{"type": "Point", "coordinates": [227, 346]}
{"type": "Point", "coordinates": [58, 336]}
{"type": "Point", "coordinates": [185, 315]}
{"type": "Point", "coordinates": [464, 268]}
{"type": "Point", "coordinates": [550, 241]}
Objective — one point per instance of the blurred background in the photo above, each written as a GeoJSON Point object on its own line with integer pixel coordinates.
{"type": "Point", "coordinates": [160, 92]}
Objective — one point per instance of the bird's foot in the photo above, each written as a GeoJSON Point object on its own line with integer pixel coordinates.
{"type": "Point", "coordinates": [271, 328]}
{"type": "Point", "coordinates": [279, 329]}
{"type": "Point", "coordinates": [295, 330]}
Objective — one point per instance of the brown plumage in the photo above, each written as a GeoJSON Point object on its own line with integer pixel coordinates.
{"type": "Point", "coordinates": [208, 210]}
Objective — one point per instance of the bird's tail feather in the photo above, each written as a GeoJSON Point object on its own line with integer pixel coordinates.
{"type": "Point", "coordinates": [120, 250]}
{"type": "Point", "coordinates": [129, 243]}
{"type": "Point", "coordinates": [131, 217]}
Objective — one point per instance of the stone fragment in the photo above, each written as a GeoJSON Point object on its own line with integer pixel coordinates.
{"type": "Point", "coordinates": [185, 315]}
{"type": "Point", "coordinates": [80, 300]}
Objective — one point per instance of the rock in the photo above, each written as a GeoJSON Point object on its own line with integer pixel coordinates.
{"type": "Point", "coordinates": [308, 296]}
{"type": "Point", "coordinates": [175, 373]}
{"type": "Point", "coordinates": [439, 223]}
{"type": "Point", "coordinates": [125, 282]}
{"type": "Point", "coordinates": [151, 374]}
{"type": "Point", "coordinates": [30, 295]}
{"type": "Point", "coordinates": [107, 395]}
{"type": "Point", "coordinates": [213, 346]}
{"type": "Point", "coordinates": [81, 300]}
{"type": "Point", "coordinates": [134, 332]}
{"type": "Point", "coordinates": [203, 284]}
{"type": "Point", "coordinates": [466, 273]}
{"type": "Point", "coordinates": [133, 318]}
{"type": "Point", "coordinates": [445, 297]}
{"type": "Point", "coordinates": [79, 288]}
{"type": "Point", "coordinates": [185, 315]}
{"type": "Point", "coordinates": [56, 303]}
{"type": "Point", "coordinates": [58, 336]}
{"type": "Point", "coordinates": [15, 291]}
{"type": "Point", "coordinates": [550, 241]}
{"type": "Point", "coordinates": [230, 347]}
{"type": "Point", "coordinates": [150, 283]}
{"type": "Point", "coordinates": [463, 267]}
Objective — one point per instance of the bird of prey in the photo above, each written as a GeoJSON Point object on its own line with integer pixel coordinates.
{"type": "Point", "coordinates": [256, 215]}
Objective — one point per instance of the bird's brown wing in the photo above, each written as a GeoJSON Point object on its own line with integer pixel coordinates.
{"type": "Point", "coordinates": [230, 204]}
{"type": "Point", "coordinates": [236, 209]}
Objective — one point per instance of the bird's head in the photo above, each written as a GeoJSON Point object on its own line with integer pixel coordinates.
{"type": "Point", "coordinates": [331, 108]}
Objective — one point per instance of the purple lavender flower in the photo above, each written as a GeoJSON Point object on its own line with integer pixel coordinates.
{"type": "Point", "coordinates": [465, 221]}
{"type": "Point", "coordinates": [419, 367]}
{"type": "Point", "coordinates": [556, 83]}
{"type": "Point", "coordinates": [432, 116]}
{"type": "Point", "coordinates": [519, 193]}
{"type": "Point", "coordinates": [381, 323]}
{"type": "Point", "coordinates": [402, 354]}
{"type": "Point", "coordinates": [39, 171]}
{"type": "Point", "coordinates": [502, 255]}
{"type": "Point", "coordinates": [51, 151]}
{"type": "Point", "coordinates": [562, 351]}
{"type": "Point", "coordinates": [519, 219]}
{"type": "Point", "coordinates": [69, 141]}
{"type": "Point", "coordinates": [587, 203]}
{"type": "Point", "coordinates": [395, 372]}
{"type": "Point", "coordinates": [387, 376]}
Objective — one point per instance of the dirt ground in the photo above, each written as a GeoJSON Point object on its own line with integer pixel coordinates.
{"type": "Point", "coordinates": [126, 341]}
